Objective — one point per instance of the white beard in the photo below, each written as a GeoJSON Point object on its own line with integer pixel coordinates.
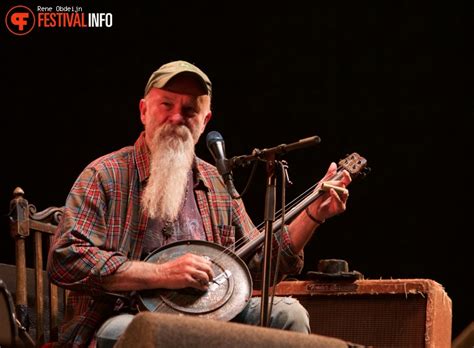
{"type": "Point", "coordinates": [172, 154]}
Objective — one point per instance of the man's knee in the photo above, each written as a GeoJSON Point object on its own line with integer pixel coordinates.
{"type": "Point", "coordinates": [112, 329]}
{"type": "Point", "coordinates": [289, 314]}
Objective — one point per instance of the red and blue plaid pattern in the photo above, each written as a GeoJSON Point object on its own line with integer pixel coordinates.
{"type": "Point", "coordinates": [103, 226]}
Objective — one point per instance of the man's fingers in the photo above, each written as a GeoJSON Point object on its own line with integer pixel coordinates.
{"type": "Point", "coordinates": [341, 199]}
{"type": "Point", "coordinates": [331, 170]}
{"type": "Point", "coordinates": [326, 186]}
{"type": "Point", "coordinates": [346, 178]}
{"type": "Point", "coordinates": [202, 278]}
{"type": "Point", "coordinates": [206, 267]}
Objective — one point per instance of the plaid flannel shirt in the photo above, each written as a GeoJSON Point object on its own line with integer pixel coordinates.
{"type": "Point", "coordinates": [103, 227]}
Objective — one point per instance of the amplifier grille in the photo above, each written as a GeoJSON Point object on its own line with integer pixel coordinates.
{"type": "Point", "coordinates": [379, 320]}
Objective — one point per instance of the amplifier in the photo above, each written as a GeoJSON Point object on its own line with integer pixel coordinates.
{"type": "Point", "coordinates": [378, 313]}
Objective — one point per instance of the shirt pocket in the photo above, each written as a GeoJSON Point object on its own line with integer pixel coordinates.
{"type": "Point", "coordinates": [227, 234]}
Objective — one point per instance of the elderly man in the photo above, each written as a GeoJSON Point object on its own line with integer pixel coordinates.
{"type": "Point", "coordinates": [142, 197]}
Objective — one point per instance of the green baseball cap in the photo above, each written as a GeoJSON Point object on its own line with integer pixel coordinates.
{"type": "Point", "coordinates": [167, 71]}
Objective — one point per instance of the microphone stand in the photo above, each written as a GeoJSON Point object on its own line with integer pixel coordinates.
{"type": "Point", "coordinates": [269, 218]}
{"type": "Point", "coordinates": [269, 156]}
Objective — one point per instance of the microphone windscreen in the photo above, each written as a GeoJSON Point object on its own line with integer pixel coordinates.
{"type": "Point", "coordinates": [212, 137]}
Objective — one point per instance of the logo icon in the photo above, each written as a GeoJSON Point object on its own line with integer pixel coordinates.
{"type": "Point", "coordinates": [20, 20]}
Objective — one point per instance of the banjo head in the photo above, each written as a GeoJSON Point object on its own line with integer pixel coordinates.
{"type": "Point", "coordinates": [227, 295]}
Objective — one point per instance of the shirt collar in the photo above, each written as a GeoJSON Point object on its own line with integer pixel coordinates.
{"type": "Point", "coordinates": [142, 157]}
{"type": "Point", "coordinates": [201, 181]}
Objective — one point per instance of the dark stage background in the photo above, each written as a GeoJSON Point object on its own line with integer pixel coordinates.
{"type": "Point", "coordinates": [387, 81]}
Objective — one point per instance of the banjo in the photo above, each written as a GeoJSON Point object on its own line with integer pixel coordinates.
{"type": "Point", "coordinates": [231, 289]}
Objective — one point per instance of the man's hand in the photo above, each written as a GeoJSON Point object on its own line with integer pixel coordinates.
{"type": "Point", "coordinates": [189, 270]}
{"type": "Point", "coordinates": [331, 203]}
{"type": "Point", "coordinates": [186, 271]}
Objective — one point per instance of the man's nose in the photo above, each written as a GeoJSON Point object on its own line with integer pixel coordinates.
{"type": "Point", "coordinates": [176, 118]}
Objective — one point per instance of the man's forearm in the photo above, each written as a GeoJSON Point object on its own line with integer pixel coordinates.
{"type": "Point", "coordinates": [185, 271]}
{"type": "Point", "coordinates": [301, 230]}
{"type": "Point", "coordinates": [133, 275]}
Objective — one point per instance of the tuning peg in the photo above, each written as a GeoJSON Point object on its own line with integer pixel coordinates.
{"type": "Point", "coordinates": [364, 172]}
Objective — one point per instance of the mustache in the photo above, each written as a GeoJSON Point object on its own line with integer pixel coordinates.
{"type": "Point", "coordinates": [179, 130]}
{"type": "Point", "coordinates": [171, 136]}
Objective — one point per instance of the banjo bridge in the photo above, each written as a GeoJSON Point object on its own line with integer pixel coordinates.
{"type": "Point", "coordinates": [217, 281]}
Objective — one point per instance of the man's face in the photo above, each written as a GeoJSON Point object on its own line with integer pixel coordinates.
{"type": "Point", "coordinates": [181, 102]}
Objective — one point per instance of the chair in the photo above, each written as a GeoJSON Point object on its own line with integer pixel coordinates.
{"type": "Point", "coordinates": [30, 228]}
{"type": "Point", "coordinates": [8, 328]}
{"type": "Point", "coordinates": [12, 333]}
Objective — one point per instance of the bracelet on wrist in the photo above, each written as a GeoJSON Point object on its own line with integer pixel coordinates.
{"type": "Point", "coordinates": [319, 222]}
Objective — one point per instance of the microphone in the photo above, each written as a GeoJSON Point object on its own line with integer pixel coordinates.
{"type": "Point", "coordinates": [215, 144]}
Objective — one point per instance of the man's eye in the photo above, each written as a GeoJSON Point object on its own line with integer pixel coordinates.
{"type": "Point", "coordinates": [190, 111]}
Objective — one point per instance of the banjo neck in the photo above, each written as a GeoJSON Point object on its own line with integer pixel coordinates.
{"type": "Point", "coordinates": [354, 164]}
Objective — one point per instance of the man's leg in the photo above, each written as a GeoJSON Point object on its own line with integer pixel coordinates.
{"type": "Point", "coordinates": [287, 314]}
{"type": "Point", "coordinates": [112, 329]}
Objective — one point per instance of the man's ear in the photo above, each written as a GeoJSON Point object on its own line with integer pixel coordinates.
{"type": "Point", "coordinates": [206, 120]}
{"type": "Point", "coordinates": [142, 107]}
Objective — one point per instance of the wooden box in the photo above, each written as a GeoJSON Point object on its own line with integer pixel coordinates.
{"type": "Point", "coordinates": [378, 313]}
